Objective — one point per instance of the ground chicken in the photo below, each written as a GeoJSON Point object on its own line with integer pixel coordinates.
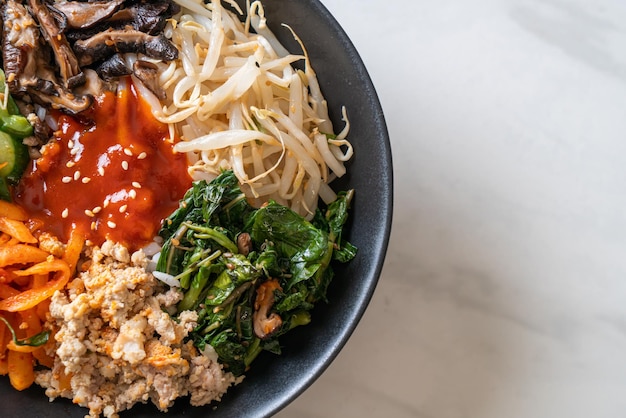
{"type": "Point", "coordinates": [117, 346]}
{"type": "Point", "coordinates": [50, 244]}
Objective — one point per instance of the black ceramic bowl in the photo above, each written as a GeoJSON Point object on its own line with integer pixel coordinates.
{"type": "Point", "coordinates": [275, 381]}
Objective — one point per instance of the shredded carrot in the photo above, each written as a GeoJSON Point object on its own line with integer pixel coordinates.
{"type": "Point", "coordinates": [43, 309]}
{"type": "Point", "coordinates": [42, 357]}
{"type": "Point", "coordinates": [4, 238]}
{"type": "Point", "coordinates": [17, 230]}
{"type": "Point", "coordinates": [12, 211]}
{"type": "Point", "coordinates": [31, 321]}
{"type": "Point", "coordinates": [73, 249]}
{"type": "Point", "coordinates": [6, 337]}
{"type": "Point", "coordinates": [21, 372]}
{"type": "Point", "coordinates": [7, 291]}
{"type": "Point", "coordinates": [29, 276]}
{"type": "Point", "coordinates": [31, 297]}
{"type": "Point", "coordinates": [21, 348]}
{"type": "Point", "coordinates": [39, 280]}
{"type": "Point", "coordinates": [21, 254]}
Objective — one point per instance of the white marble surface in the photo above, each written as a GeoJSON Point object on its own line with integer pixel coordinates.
{"type": "Point", "coordinates": [504, 289]}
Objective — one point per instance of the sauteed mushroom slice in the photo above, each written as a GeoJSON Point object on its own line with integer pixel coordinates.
{"type": "Point", "coordinates": [148, 17]}
{"type": "Point", "coordinates": [107, 43]}
{"type": "Point", "coordinates": [94, 85]}
{"type": "Point", "coordinates": [143, 16]}
{"type": "Point", "coordinates": [20, 41]}
{"type": "Point", "coordinates": [47, 92]}
{"type": "Point", "coordinates": [69, 69]}
{"type": "Point", "coordinates": [148, 73]}
{"type": "Point", "coordinates": [266, 323]}
{"type": "Point", "coordinates": [26, 61]}
{"type": "Point", "coordinates": [81, 15]}
{"type": "Point", "coordinates": [113, 67]}
{"type": "Point", "coordinates": [244, 243]}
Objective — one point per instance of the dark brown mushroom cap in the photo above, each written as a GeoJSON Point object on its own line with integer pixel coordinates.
{"type": "Point", "coordinates": [265, 325]}
{"type": "Point", "coordinates": [148, 17]}
{"type": "Point", "coordinates": [148, 73]}
{"type": "Point", "coordinates": [113, 67]}
{"type": "Point", "coordinates": [81, 15]}
{"type": "Point", "coordinates": [109, 42]}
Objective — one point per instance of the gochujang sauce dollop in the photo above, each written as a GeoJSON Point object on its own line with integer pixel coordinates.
{"type": "Point", "coordinates": [110, 172]}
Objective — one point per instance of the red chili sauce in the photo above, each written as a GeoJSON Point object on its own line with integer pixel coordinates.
{"type": "Point", "coordinates": [111, 173]}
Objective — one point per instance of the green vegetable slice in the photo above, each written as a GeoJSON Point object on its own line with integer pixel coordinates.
{"type": "Point", "coordinates": [13, 158]}
{"type": "Point", "coordinates": [16, 125]}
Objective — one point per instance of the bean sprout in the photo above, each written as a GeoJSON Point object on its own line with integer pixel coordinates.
{"type": "Point", "coordinates": [236, 102]}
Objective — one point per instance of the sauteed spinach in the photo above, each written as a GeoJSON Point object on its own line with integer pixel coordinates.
{"type": "Point", "coordinates": [251, 274]}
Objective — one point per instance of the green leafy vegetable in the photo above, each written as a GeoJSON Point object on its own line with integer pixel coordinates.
{"type": "Point", "coordinates": [251, 274]}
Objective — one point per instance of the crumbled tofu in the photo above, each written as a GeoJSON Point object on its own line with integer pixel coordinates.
{"type": "Point", "coordinates": [119, 345]}
{"type": "Point", "coordinates": [51, 244]}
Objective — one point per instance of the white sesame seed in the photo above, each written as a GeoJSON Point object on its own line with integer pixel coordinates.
{"type": "Point", "coordinates": [93, 225]}
{"type": "Point", "coordinates": [66, 179]}
{"type": "Point", "coordinates": [89, 213]}
{"type": "Point", "coordinates": [70, 144]}
{"type": "Point", "coordinates": [74, 151]}
{"type": "Point", "coordinates": [96, 209]}
{"type": "Point", "coordinates": [101, 171]}
{"type": "Point", "coordinates": [111, 224]}
{"type": "Point", "coordinates": [86, 180]}
{"type": "Point", "coordinates": [106, 202]}
{"type": "Point", "coordinates": [125, 165]}
{"type": "Point", "coordinates": [70, 164]}
{"type": "Point", "coordinates": [136, 185]}
{"type": "Point", "coordinates": [128, 152]}
{"type": "Point", "coordinates": [123, 208]}
{"type": "Point", "coordinates": [76, 175]}
{"type": "Point", "coordinates": [142, 156]}
{"type": "Point", "coordinates": [65, 213]}
{"type": "Point", "coordinates": [132, 193]}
